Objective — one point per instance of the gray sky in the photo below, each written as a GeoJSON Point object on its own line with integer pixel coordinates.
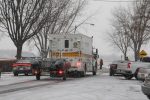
{"type": "Point", "coordinates": [101, 12]}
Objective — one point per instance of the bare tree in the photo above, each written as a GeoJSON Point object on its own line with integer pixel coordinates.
{"type": "Point", "coordinates": [19, 16]}
{"type": "Point", "coordinates": [118, 35]}
{"type": "Point", "coordinates": [139, 25]}
{"type": "Point", "coordinates": [62, 17]}
{"type": "Point", "coordinates": [136, 21]}
{"type": "Point", "coordinates": [119, 38]}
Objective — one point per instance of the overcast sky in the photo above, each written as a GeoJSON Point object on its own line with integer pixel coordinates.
{"type": "Point", "coordinates": [101, 15]}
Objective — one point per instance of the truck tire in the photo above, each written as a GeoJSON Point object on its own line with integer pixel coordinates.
{"type": "Point", "coordinates": [83, 73]}
{"type": "Point", "coordinates": [26, 74]}
{"type": "Point", "coordinates": [136, 74]}
{"type": "Point", "coordinates": [38, 77]}
{"type": "Point", "coordinates": [148, 96]}
{"type": "Point", "coordinates": [111, 72]}
{"type": "Point", "coordinates": [94, 69]}
{"type": "Point", "coordinates": [64, 76]}
{"type": "Point", "coordinates": [94, 73]}
{"type": "Point", "coordinates": [128, 76]}
{"type": "Point", "coordinates": [15, 74]}
{"type": "Point", "coordinates": [136, 77]}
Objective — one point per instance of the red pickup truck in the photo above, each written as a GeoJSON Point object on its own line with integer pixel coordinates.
{"type": "Point", "coordinates": [24, 67]}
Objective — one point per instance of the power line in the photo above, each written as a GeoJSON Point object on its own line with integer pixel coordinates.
{"type": "Point", "coordinates": [118, 0]}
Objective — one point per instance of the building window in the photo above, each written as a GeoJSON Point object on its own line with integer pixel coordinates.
{"type": "Point", "coordinates": [66, 43]}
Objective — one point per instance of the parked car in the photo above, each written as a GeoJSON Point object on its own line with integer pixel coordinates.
{"type": "Point", "coordinates": [24, 66]}
{"type": "Point", "coordinates": [134, 67]}
{"type": "Point", "coordinates": [119, 67]}
{"type": "Point", "coordinates": [142, 73]}
{"type": "Point", "coordinates": [146, 86]}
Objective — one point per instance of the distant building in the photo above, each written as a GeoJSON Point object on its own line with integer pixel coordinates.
{"type": "Point", "coordinates": [7, 58]}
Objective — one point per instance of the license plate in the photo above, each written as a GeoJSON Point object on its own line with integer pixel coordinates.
{"type": "Point", "coordinates": [21, 68]}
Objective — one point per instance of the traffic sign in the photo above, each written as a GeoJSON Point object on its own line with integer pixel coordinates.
{"type": "Point", "coordinates": [143, 53]}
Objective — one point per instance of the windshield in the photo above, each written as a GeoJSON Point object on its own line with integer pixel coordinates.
{"type": "Point", "coordinates": [145, 59]}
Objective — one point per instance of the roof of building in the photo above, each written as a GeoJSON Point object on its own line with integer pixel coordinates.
{"type": "Point", "coordinates": [10, 54]}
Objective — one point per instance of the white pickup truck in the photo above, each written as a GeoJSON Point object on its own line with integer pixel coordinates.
{"type": "Point", "coordinates": [119, 67]}
{"type": "Point", "coordinates": [134, 67]}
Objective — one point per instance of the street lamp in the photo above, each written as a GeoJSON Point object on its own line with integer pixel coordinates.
{"type": "Point", "coordinates": [91, 24]}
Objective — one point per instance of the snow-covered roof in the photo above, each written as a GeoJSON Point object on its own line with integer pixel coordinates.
{"type": "Point", "coordinates": [12, 53]}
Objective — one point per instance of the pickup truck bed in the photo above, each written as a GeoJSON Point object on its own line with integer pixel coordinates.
{"type": "Point", "coordinates": [119, 67]}
{"type": "Point", "coordinates": [134, 66]}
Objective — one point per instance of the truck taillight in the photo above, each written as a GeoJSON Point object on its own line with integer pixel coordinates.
{"type": "Point", "coordinates": [129, 65]}
{"type": "Point", "coordinates": [35, 72]}
{"type": "Point", "coordinates": [78, 64]}
{"type": "Point", "coordinates": [22, 64]}
{"type": "Point", "coordinates": [60, 72]}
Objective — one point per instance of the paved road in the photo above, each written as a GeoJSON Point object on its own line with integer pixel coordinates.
{"type": "Point", "coordinates": [100, 87]}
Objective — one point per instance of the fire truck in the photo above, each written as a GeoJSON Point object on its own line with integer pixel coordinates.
{"type": "Point", "coordinates": [77, 49]}
{"type": "Point", "coordinates": [69, 54]}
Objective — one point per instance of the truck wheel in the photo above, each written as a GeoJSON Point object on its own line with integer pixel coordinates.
{"type": "Point", "coordinates": [84, 72]}
{"type": "Point", "coordinates": [128, 77]}
{"type": "Point", "coordinates": [111, 72]}
{"type": "Point", "coordinates": [15, 74]}
{"type": "Point", "coordinates": [148, 96]}
{"type": "Point", "coordinates": [136, 77]}
{"type": "Point", "coordinates": [136, 74]}
{"type": "Point", "coordinates": [94, 69]}
{"type": "Point", "coordinates": [64, 77]}
{"type": "Point", "coordinates": [37, 77]}
{"type": "Point", "coordinates": [80, 74]}
{"type": "Point", "coordinates": [26, 74]}
{"type": "Point", "coordinates": [94, 73]}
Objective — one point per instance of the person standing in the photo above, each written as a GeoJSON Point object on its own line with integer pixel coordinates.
{"type": "Point", "coordinates": [101, 63]}
{"type": "Point", "coordinates": [0, 71]}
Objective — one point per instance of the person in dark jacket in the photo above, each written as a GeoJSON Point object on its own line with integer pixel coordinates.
{"type": "Point", "coordinates": [0, 71]}
{"type": "Point", "coordinates": [101, 63]}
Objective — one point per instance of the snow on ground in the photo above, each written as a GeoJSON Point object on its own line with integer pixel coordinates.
{"type": "Point", "coordinates": [9, 78]}
{"type": "Point", "coordinates": [100, 87]}
{"type": "Point", "coordinates": [107, 64]}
